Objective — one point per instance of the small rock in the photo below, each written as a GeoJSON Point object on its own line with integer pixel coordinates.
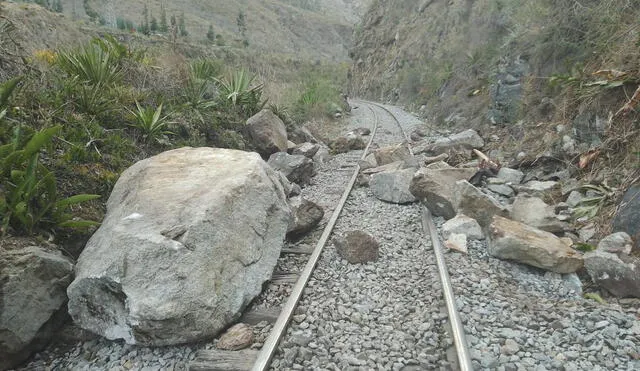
{"type": "Point", "coordinates": [457, 242]}
{"type": "Point", "coordinates": [357, 247]}
{"type": "Point", "coordinates": [619, 242]}
{"type": "Point", "coordinates": [501, 189]}
{"type": "Point", "coordinates": [509, 175]}
{"type": "Point", "coordinates": [510, 347]}
{"type": "Point", "coordinates": [239, 336]}
{"type": "Point", "coordinates": [464, 225]}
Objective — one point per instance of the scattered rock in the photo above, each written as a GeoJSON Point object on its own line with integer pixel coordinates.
{"type": "Point", "coordinates": [574, 198]}
{"type": "Point", "coordinates": [462, 224]}
{"type": "Point", "coordinates": [387, 155]}
{"type": "Point", "coordinates": [393, 186]}
{"type": "Point", "coordinates": [305, 216]}
{"type": "Point", "coordinates": [617, 273]}
{"type": "Point", "coordinates": [512, 240]}
{"type": "Point", "coordinates": [510, 347]}
{"type": "Point", "coordinates": [357, 247]}
{"type": "Point", "coordinates": [619, 242]}
{"type": "Point", "coordinates": [501, 189]}
{"type": "Point", "coordinates": [170, 239]}
{"type": "Point", "coordinates": [347, 143]}
{"type": "Point", "coordinates": [297, 168]}
{"type": "Point", "coordinates": [267, 132]}
{"type": "Point", "coordinates": [466, 140]}
{"type": "Point", "coordinates": [439, 165]}
{"type": "Point", "coordinates": [306, 149]}
{"type": "Point", "coordinates": [431, 159]}
{"type": "Point", "coordinates": [368, 162]}
{"type": "Point", "coordinates": [239, 336]}
{"type": "Point", "coordinates": [435, 188]}
{"type": "Point", "coordinates": [549, 191]}
{"type": "Point", "coordinates": [536, 213]}
{"type": "Point", "coordinates": [398, 165]}
{"type": "Point", "coordinates": [587, 232]}
{"type": "Point", "coordinates": [471, 201]}
{"type": "Point", "coordinates": [361, 131]}
{"type": "Point", "coordinates": [301, 135]}
{"type": "Point", "coordinates": [33, 284]}
{"type": "Point", "coordinates": [627, 218]}
{"type": "Point", "coordinates": [509, 175]}
{"type": "Point", "coordinates": [457, 242]}
{"type": "Point", "coordinates": [321, 157]}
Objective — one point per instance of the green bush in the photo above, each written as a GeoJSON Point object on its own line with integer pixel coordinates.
{"type": "Point", "coordinates": [238, 90]}
{"type": "Point", "coordinates": [91, 64]}
{"type": "Point", "coordinates": [28, 193]}
{"type": "Point", "coordinates": [150, 122]}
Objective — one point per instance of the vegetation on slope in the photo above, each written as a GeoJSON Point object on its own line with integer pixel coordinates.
{"type": "Point", "coordinates": [73, 118]}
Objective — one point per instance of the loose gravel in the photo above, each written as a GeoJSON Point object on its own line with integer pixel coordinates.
{"type": "Point", "coordinates": [389, 315]}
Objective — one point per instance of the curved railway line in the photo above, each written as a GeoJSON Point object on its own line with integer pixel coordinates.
{"type": "Point", "coordinates": [384, 132]}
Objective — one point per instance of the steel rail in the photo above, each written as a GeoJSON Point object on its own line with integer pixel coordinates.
{"type": "Point", "coordinates": [270, 345]}
{"type": "Point", "coordinates": [459, 338]}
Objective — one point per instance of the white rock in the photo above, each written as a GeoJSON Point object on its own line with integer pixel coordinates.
{"type": "Point", "coordinates": [462, 224]}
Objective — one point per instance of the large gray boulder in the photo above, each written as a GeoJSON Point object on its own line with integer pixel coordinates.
{"type": "Point", "coordinates": [612, 267]}
{"type": "Point", "coordinates": [463, 141]}
{"type": "Point", "coordinates": [393, 186]}
{"type": "Point", "coordinates": [536, 213]}
{"type": "Point", "coordinates": [512, 240]}
{"type": "Point", "coordinates": [297, 168]}
{"type": "Point", "coordinates": [189, 237]}
{"type": "Point", "coordinates": [472, 202]}
{"type": "Point", "coordinates": [627, 217]}
{"type": "Point", "coordinates": [387, 155]}
{"type": "Point", "coordinates": [33, 284]}
{"type": "Point", "coordinates": [267, 132]}
{"type": "Point", "coordinates": [435, 188]}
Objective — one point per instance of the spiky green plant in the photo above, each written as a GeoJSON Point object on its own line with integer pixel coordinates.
{"type": "Point", "coordinates": [91, 64]}
{"type": "Point", "coordinates": [6, 89]}
{"type": "Point", "coordinates": [150, 122]}
{"type": "Point", "coordinates": [28, 193]}
{"type": "Point", "coordinates": [237, 88]}
{"type": "Point", "coordinates": [589, 206]}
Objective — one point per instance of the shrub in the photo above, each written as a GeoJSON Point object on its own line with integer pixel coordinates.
{"type": "Point", "coordinates": [238, 90]}
{"type": "Point", "coordinates": [91, 64]}
{"type": "Point", "coordinates": [151, 122]}
{"type": "Point", "coordinates": [28, 193]}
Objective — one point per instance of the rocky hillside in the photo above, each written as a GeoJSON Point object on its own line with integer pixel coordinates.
{"type": "Point", "coordinates": [319, 29]}
{"type": "Point", "coordinates": [545, 79]}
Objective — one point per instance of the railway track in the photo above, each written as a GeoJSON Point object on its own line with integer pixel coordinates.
{"type": "Point", "coordinates": [413, 295]}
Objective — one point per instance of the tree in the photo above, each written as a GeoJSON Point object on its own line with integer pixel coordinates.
{"type": "Point", "coordinates": [164, 27]}
{"type": "Point", "coordinates": [154, 24]}
{"type": "Point", "coordinates": [211, 36]}
{"type": "Point", "coordinates": [57, 6]}
{"type": "Point", "coordinates": [242, 24]}
{"type": "Point", "coordinates": [144, 25]}
{"type": "Point", "coordinates": [182, 26]}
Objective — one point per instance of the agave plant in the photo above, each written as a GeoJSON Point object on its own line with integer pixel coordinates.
{"type": "Point", "coordinates": [28, 194]}
{"type": "Point", "coordinates": [151, 122]}
{"type": "Point", "coordinates": [589, 206]}
{"type": "Point", "coordinates": [91, 64]}
{"type": "Point", "coordinates": [237, 90]}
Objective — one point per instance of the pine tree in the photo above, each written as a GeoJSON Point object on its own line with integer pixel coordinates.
{"type": "Point", "coordinates": [57, 6]}
{"type": "Point", "coordinates": [182, 26]}
{"type": "Point", "coordinates": [211, 36]}
{"type": "Point", "coordinates": [154, 24]}
{"type": "Point", "coordinates": [164, 27]}
{"type": "Point", "coordinates": [242, 24]}
{"type": "Point", "coordinates": [144, 26]}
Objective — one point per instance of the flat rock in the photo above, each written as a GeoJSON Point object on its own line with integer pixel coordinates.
{"type": "Point", "coordinates": [512, 240]}
{"type": "Point", "coordinates": [438, 165]}
{"type": "Point", "coordinates": [349, 142]}
{"type": "Point", "coordinates": [466, 140]}
{"type": "Point", "coordinates": [501, 189]}
{"type": "Point", "coordinates": [387, 155]}
{"type": "Point", "coordinates": [189, 238]}
{"type": "Point", "coordinates": [618, 242]}
{"type": "Point", "coordinates": [549, 191]}
{"type": "Point", "coordinates": [33, 283]}
{"type": "Point", "coordinates": [509, 175]}
{"type": "Point", "coordinates": [393, 186]}
{"type": "Point", "coordinates": [297, 168]}
{"type": "Point", "coordinates": [471, 201]}
{"type": "Point", "coordinates": [435, 188]}
{"type": "Point", "coordinates": [267, 132]}
{"type": "Point", "coordinates": [536, 213]}
{"type": "Point", "coordinates": [462, 224]}
{"type": "Point", "coordinates": [238, 336]}
{"type": "Point", "coordinates": [357, 247]}
{"type": "Point", "coordinates": [306, 149]}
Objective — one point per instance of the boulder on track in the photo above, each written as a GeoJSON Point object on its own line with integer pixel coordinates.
{"type": "Point", "coordinates": [297, 168]}
{"type": "Point", "coordinates": [189, 238]}
{"type": "Point", "coordinates": [387, 155]}
{"type": "Point", "coordinates": [463, 141]}
{"type": "Point", "coordinates": [435, 188]}
{"type": "Point", "coordinates": [612, 267]}
{"type": "Point", "coordinates": [267, 132]}
{"type": "Point", "coordinates": [306, 215]}
{"type": "Point", "coordinates": [357, 247]}
{"type": "Point", "coordinates": [472, 202]}
{"type": "Point", "coordinates": [516, 241]}
{"type": "Point", "coordinates": [393, 186]}
{"type": "Point", "coordinates": [33, 284]}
